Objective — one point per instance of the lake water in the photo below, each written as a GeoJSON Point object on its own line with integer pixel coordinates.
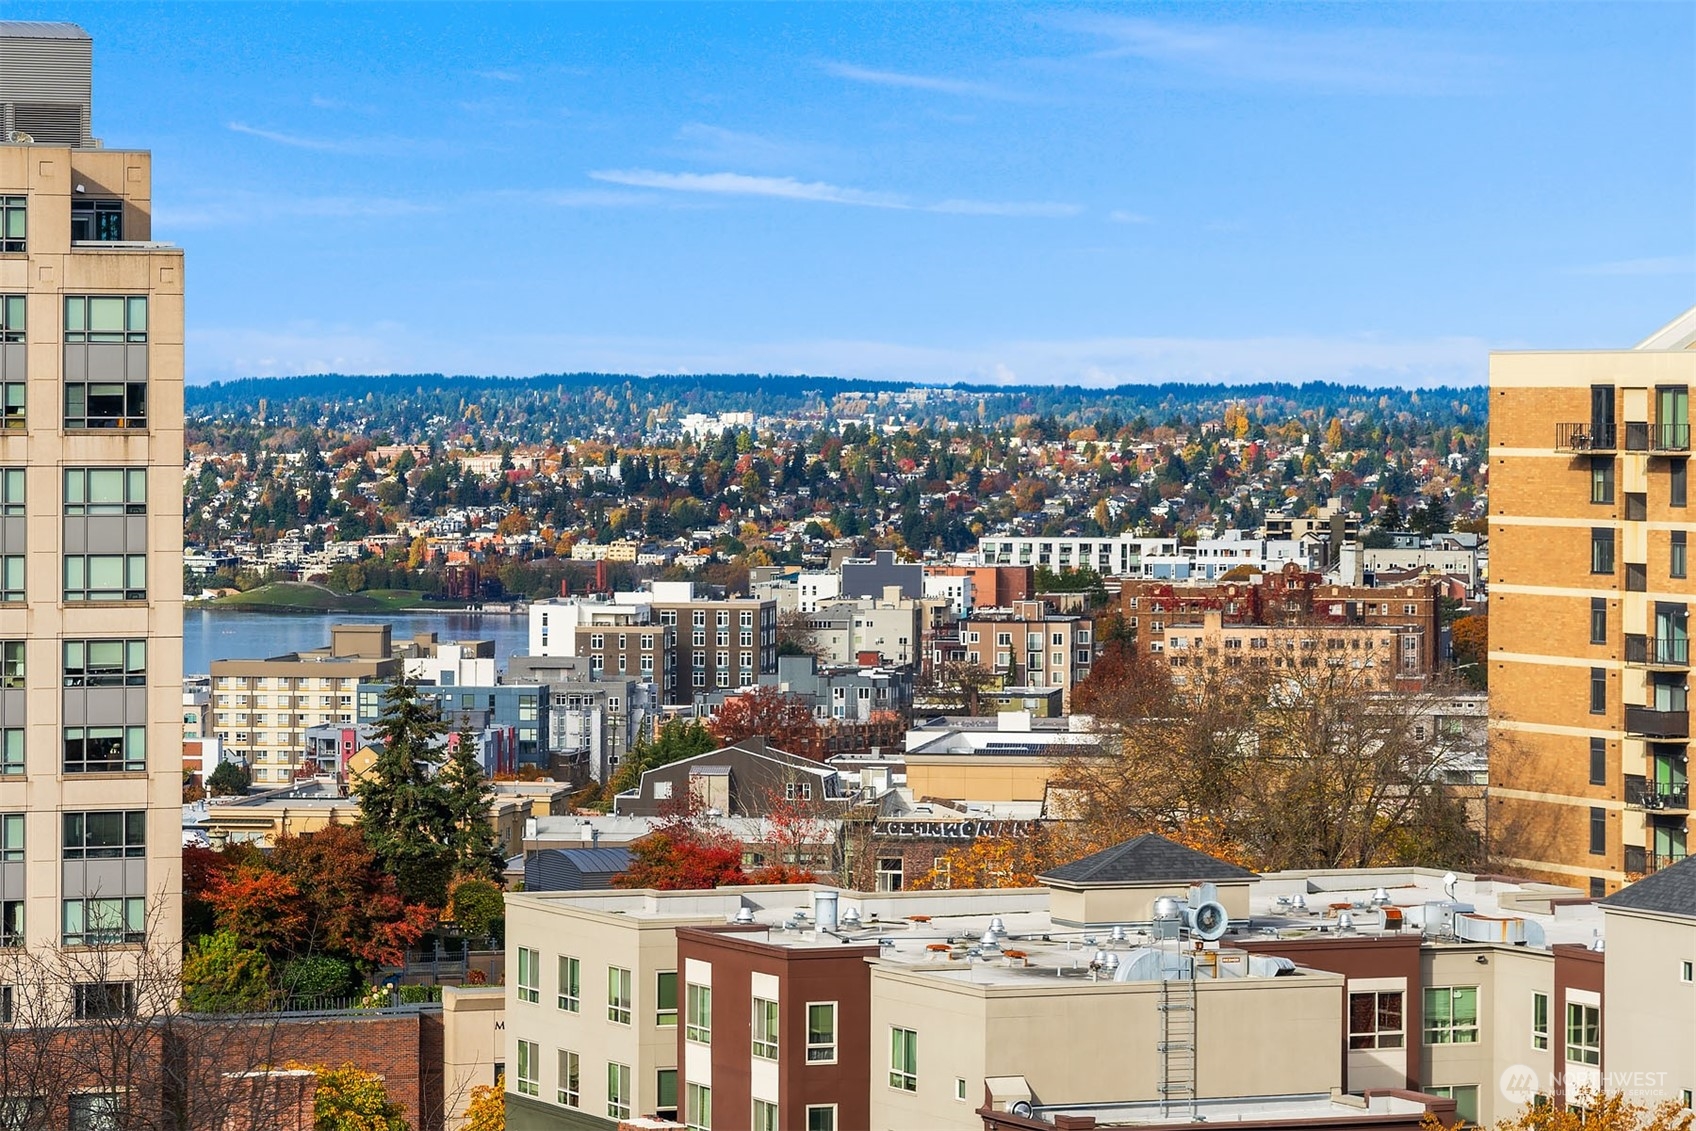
{"type": "Point", "coordinates": [224, 634]}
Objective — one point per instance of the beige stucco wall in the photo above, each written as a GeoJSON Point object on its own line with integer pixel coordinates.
{"type": "Point", "coordinates": [1129, 904]}
{"type": "Point", "coordinates": [1078, 1042]}
{"type": "Point", "coordinates": [50, 270]}
{"type": "Point", "coordinates": [598, 940]}
{"type": "Point", "coordinates": [473, 1042]}
{"type": "Point", "coordinates": [980, 777]}
{"type": "Point", "coordinates": [1649, 1014]}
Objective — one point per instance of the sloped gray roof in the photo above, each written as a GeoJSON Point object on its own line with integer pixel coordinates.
{"type": "Point", "coordinates": [1149, 858]}
{"type": "Point", "coordinates": [595, 859]}
{"type": "Point", "coordinates": [40, 29]}
{"type": "Point", "coordinates": [1671, 891]}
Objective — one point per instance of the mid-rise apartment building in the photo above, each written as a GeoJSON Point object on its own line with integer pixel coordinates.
{"type": "Point", "coordinates": [1116, 556]}
{"type": "Point", "coordinates": [1590, 590]}
{"type": "Point", "coordinates": [1028, 645]}
{"type": "Point", "coordinates": [667, 634]}
{"type": "Point", "coordinates": [1146, 985]}
{"type": "Point", "coordinates": [262, 708]}
{"type": "Point", "coordinates": [91, 448]}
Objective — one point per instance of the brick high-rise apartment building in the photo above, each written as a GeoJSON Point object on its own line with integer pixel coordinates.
{"type": "Point", "coordinates": [1590, 588]}
{"type": "Point", "coordinates": [91, 557]}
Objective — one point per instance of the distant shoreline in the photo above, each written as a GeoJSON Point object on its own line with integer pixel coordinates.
{"type": "Point", "coordinates": [295, 598]}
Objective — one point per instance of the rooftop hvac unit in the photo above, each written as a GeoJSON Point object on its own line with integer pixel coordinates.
{"type": "Point", "coordinates": [1487, 928]}
{"type": "Point", "coordinates": [1168, 918]}
{"type": "Point", "coordinates": [1204, 915]}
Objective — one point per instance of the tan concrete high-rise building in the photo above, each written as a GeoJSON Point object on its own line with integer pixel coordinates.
{"type": "Point", "coordinates": [91, 452]}
{"type": "Point", "coordinates": [1590, 590]}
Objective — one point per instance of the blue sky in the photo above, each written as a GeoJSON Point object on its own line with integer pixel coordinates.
{"type": "Point", "coordinates": [995, 192]}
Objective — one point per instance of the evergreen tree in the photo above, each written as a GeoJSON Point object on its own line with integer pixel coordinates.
{"type": "Point", "coordinates": [468, 794]}
{"type": "Point", "coordinates": [403, 811]}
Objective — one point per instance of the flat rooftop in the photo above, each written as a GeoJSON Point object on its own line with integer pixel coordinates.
{"type": "Point", "coordinates": [1309, 1110]}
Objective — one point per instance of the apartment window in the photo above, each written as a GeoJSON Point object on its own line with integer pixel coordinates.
{"type": "Point", "coordinates": [11, 928]}
{"type": "Point", "coordinates": [889, 873]}
{"type": "Point", "coordinates": [821, 1117]}
{"type": "Point", "coordinates": [105, 490]}
{"type": "Point", "coordinates": [821, 1032]}
{"type": "Point", "coordinates": [618, 995]}
{"type": "Point", "coordinates": [106, 577]}
{"type": "Point", "coordinates": [1375, 1020]}
{"type": "Point", "coordinates": [18, 1114]}
{"type": "Point", "coordinates": [1598, 761]}
{"type": "Point", "coordinates": [570, 984]}
{"type": "Point", "coordinates": [1602, 480]}
{"type": "Point", "coordinates": [960, 1089]}
{"type": "Point", "coordinates": [1539, 1020]}
{"type": "Point", "coordinates": [529, 1069]}
{"type": "Point", "coordinates": [765, 1029]}
{"type": "Point", "coordinates": [618, 1091]}
{"type": "Point", "coordinates": [1583, 1033]}
{"type": "Point", "coordinates": [96, 1000]}
{"type": "Point", "coordinates": [1687, 971]}
{"type": "Point", "coordinates": [1465, 1097]}
{"type": "Point", "coordinates": [95, 1111]}
{"type": "Point", "coordinates": [105, 750]}
{"type": "Point", "coordinates": [529, 976]}
{"type": "Point", "coordinates": [97, 220]}
{"type": "Point", "coordinates": [1598, 620]}
{"type": "Point", "coordinates": [12, 577]}
{"type": "Point", "coordinates": [1678, 481]}
{"type": "Point", "coordinates": [665, 1088]}
{"type": "Point", "coordinates": [12, 665]}
{"type": "Point", "coordinates": [765, 1116]}
{"type": "Point", "coordinates": [14, 223]}
{"type": "Point", "coordinates": [1598, 831]}
{"type": "Point", "coordinates": [1598, 691]}
{"type": "Point", "coordinates": [1601, 550]}
{"type": "Point", "coordinates": [12, 494]}
{"type": "Point", "coordinates": [1678, 564]}
{"type": "Point", "coordinates": [698, 1014]}
{"type": "Point", "coordinates": [1636, 577]}
{"type": "Point", "coordinates": [108, 388]}
{"type": "Point", "coordinates": [698, 1111]}
{"type": "Point", "coordinates": [105, 318]}
{"type": "Point", "coordinates": [570, 1079]}
{"type": "Point", "coordinates": [11, 838]}
{"type": "Point", "coordinates": [903, 1060]}
{"type": "Point", "coordinates": [105, 663]}
{"type": "Point", "coordinates": [665, 997]}
{"type": "Point", "coordinates": [105, 835]}
{"type": "Point", "coordinates": [13, 380]}
{"type": "Point", "coordinates": [1451, 1015]}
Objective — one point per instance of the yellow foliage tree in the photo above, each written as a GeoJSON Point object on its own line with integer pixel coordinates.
{"type": "Point", "coordinates": [487, 1110]}
{"type": "Point", "coordinates": [1603, 1111]}
{"type": "Point", "coordinates": [351, 1099]}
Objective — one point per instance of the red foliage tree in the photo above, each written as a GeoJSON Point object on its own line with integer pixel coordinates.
{"type": "Point", "coordinates": [681, 855]}
{"type": "Point", "coordinates": [785, 721]}
{"type": "Point", "coordinates": [353, 906]}
{"type": "Point", "coordinates": [261, 907]}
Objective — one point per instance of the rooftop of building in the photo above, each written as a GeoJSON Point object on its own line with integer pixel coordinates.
{"type": "Point", "coordinates": [1297, 1110]}
{"type": "Point", "coordinates": [1670, 891]}
{"type": "Point", "coordinates": [41, 29]}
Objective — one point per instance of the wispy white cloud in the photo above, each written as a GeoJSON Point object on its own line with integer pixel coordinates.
{"type": "Point", "coordinates": [294, 141]}
{"type": "Point", "coordinates": [499, 76]}
{"type": "Point", "coordinates": [1120, 216]}
{"type": "Point", "coordinates": [1369, 60]}
{"type": "Point", "coordinates": [1653, 265]}
{"type": "Point", "coordinates": [742, 184]}
{"type": "Point", "coordinates": [821, 192]}
{"type": "Point", "coordinates": [937, 84]}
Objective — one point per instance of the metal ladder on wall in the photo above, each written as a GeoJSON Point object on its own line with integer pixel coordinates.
{"type": "Point", "coordinates": [1177, 1047]}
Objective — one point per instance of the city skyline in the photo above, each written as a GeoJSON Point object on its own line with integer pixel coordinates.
{"type": "Point", "coordinates": [1010, 194]}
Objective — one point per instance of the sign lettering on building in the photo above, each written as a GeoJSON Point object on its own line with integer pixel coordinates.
{"type": "Point", "coordinates": [956, 830]}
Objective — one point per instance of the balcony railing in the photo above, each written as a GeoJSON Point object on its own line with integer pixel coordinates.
{"type": "Point", "coordinates": [1585, 437]}
{"type": "Point", "coordinates": [1655, 861]}
{"type": "Point", "coordinates": [1669, 437]}
{"type": "Point", "coordinates": [1657, 724]}
{"type": "Point", "coordinates": [1656, 797]}
{"type": "Point", "coordinates": [1658, 651]}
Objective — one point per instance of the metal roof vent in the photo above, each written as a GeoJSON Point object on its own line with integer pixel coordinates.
{"type": "Point", "coordinates": [744, 914]}
{"type": "Point", "coordinates": [1380, 898]}
{"type": "Point", "coordinates": [851, 917]}
{"type": "Point", "coordinates": [1299, 902]}
{"type": "Point", "coordinates": [1118, 933]}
